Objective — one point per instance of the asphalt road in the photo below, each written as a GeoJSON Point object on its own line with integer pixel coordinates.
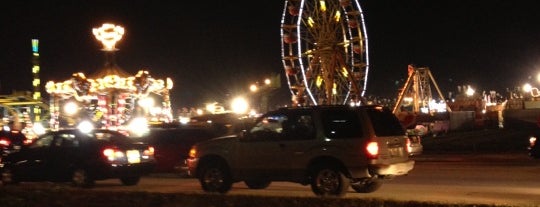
{"type": "Point", "coordinates": [501, 179]}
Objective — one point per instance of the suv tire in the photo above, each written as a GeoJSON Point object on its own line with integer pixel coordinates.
{"type": "Point", "coordinates": [329, 181]}
{"type": "Point", "coordinates": [215, 177]}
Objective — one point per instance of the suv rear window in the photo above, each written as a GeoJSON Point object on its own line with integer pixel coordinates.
{"type": "Point", "coordinates": [384, 122]}
{"type": "Point", "coordinates": [341, 124]}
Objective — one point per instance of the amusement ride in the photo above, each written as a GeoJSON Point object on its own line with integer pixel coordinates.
{"type": "Point", "coordinates": [325, 51]}
{"type": "Point", "coordinates": [110, 98]}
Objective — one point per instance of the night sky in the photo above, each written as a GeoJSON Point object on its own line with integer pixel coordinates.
{"type": "Point", "coordinates": [214, 49]}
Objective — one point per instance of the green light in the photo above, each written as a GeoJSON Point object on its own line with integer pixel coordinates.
{"type": "Point", "coordinates": [35, 47]}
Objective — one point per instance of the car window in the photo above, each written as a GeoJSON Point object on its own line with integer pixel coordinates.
{"type": "Point", "coordinates": [44, 141]}
{"type": "Point", "coordinates": [116, 138]}
{"type": "Point", "coordinates": [66, 140]}
{"type": "Point", "coordinates": [341, 124]}
{"type": "Point", "coordinates": [268, 128]}
{"type": "Point", "coordinates": [384, 122]}
{"type": "Point", "coordinates": [298, 127]}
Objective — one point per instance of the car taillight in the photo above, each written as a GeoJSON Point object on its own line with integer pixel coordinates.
{"type": "Point", "coordinates": [192, 152]}
{"type": "Point", "coordinates": [4, 142]}
{"type": "Point", "coordinates": [112, 154]}
{"type": "Point", "coordinates": [149, 151]}
{"type": "Point", "coordinates": [409, 148]}
{"type": "Point", "coordinates": [372, 149]}
{"type": "Point", "coordinates": [28, 141]}
{"type": "Point", "coordinates": [532, 141]}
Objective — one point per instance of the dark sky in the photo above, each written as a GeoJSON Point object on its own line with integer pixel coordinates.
{"type": "Point", "coordinates": [216, 48]}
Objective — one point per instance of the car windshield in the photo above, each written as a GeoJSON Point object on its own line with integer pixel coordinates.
{"type": "Point", "coordinates": [116, 138]}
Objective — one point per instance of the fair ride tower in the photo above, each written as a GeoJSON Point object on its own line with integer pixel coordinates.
{"type": "Point", "coordinates": [111, 98]}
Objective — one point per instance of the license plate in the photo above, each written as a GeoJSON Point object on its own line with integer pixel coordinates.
{"type": "Point", "coordinates": [133, 156]}
{"type": "Point", "coordinates": [396, 152]}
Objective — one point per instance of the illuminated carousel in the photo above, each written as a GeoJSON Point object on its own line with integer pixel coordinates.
{"type": "Point", "coordinates": [110, 98]}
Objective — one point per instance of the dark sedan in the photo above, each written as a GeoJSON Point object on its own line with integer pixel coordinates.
{"type": "Point", "coordinates": [82, 158]}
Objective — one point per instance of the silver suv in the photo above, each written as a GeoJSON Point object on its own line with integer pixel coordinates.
{"type": "Point", "coordinates": [330, 148]}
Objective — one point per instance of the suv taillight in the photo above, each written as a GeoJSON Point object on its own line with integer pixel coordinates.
{"type": "Point", "coordinates": [372, 149]}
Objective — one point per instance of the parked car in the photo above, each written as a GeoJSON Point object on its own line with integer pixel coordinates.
{"type": "Point", "coordinates": [82, 158]}
{"type": "Point", "coordinates": [172, 146]}
{"type": "Point", "coordinates": [414, 145]}
{"type": "Point", "coordinates": [327, 147]}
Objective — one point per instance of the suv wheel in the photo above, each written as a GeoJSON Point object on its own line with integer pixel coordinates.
{"type": "Point", "coordinates": [328, 181]}
{"type": "Point", "coordinates": [130, 180]}
{"type": "Point", "coordinates": [257, 184]}
{"type": "Point", "coordinates": [81, 178]}
{"type": "Point", "coordinates": [214, 177]}
{"type": "Point", "coordinates": [367, 186]}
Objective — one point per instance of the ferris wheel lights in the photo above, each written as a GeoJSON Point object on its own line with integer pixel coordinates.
{"type": "Point", "coordinates": [311, 22]}
{"type": "Point", "coordinates": [344, 72]}
{"type": "Point", "coordinates": [322, 5]}
{"type": "Point", "coordinates": [337, 16]}
{"type": "Point", "coordinates": [319, 81]}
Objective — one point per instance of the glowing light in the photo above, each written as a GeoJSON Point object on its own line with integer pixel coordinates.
{"type": "Point", "coordinates": [71, 108]}
{"type": "Point", "coordinates": [85, 126]}
{"type": "Point", "coordinates": [344, 72]}
{"type": "Point", "coordinates": [253, 88]}
{"type": "Point", "coordinates": [109, 34]}
{"type": "Point", "coordinates": [311, 22]}
{"type": "Point", "coordinates": [337, 16]}
{"type": "Point", "coordinates": [319, 81]}
{"type": "Point", "coordinates": [323, 5]}
{"type": "Point", "coordinates": [470, 91]}
{"type": "Point", "coordinates": [267, 81]}
{"type": "Point", "coordinates": [139, 126]}
{"type": "Point", "coordinates": [239, 105]}
{"type": "Point", "coordinates": [527, 88]}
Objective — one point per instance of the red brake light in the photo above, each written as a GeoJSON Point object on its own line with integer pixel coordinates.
{"type": "Point", "coordinates": [149, 151]}
{"type": "Point", "coordinates": [409, 148]}
{"type": "Point", "coordinates": [372, 149]}
{"type": "Point", "coordinates": [4, 142]}
{"type": "Point", "coordinates": [112, 154]}
{"type": "Point", "coordinates": [108, 152]}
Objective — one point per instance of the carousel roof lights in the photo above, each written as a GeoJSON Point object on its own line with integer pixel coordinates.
{"type": "Point", "coordinates": [109, 34]}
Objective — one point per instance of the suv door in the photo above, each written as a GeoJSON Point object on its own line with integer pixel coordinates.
{"type": "Point", "coordinates": [261, 152]}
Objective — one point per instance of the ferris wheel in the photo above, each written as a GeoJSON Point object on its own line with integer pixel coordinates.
{"type": "Point", "coordinates": [324, 51]}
